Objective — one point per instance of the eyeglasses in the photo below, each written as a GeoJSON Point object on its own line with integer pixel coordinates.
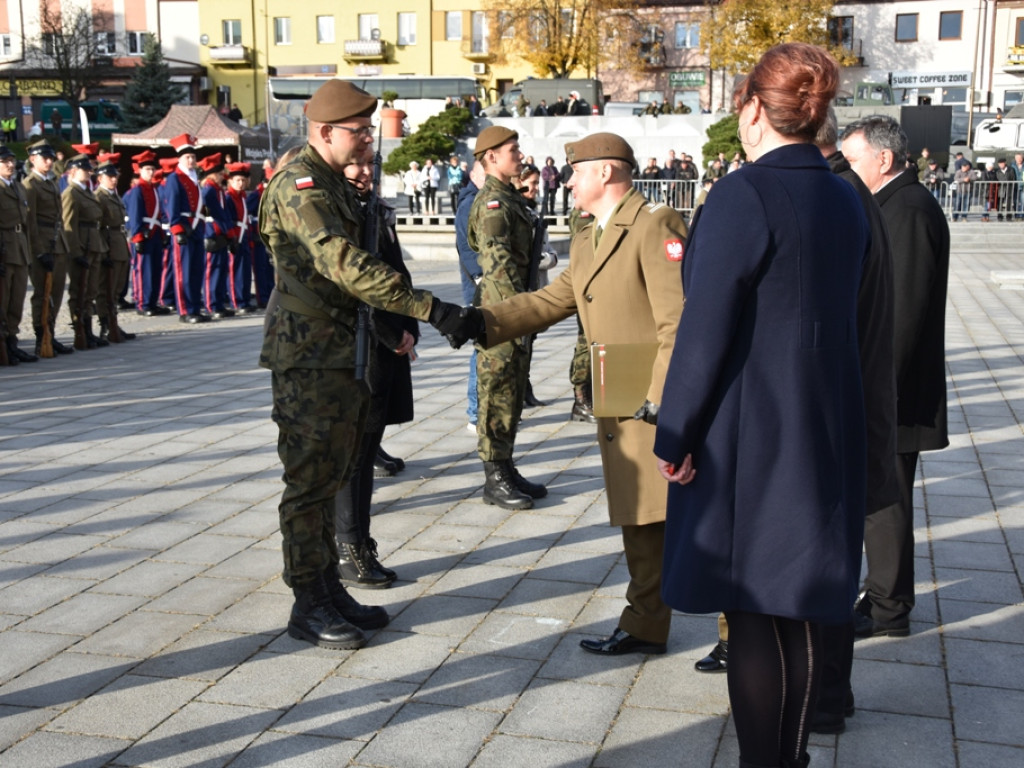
{"type": "Point", "coordinates": [364, 132]}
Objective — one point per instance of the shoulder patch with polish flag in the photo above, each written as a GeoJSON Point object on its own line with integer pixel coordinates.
{"type": "Point", "coordinates": [674, 250]}
{"type": "Point", "coordinates": [492, 204]}
{"type": "Point", "coordinates": [306, 182]}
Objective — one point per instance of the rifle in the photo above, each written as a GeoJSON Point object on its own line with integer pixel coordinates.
{"type": "Point", "coordinates": [371, 229]}
{"type": "Point", "coordinates": [113, 331]}
{"type": "Point", "coordinates": [46, 340]}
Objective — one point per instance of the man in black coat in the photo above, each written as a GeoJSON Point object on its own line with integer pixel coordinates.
{"type": "Point", "coordinates": [919, 236]}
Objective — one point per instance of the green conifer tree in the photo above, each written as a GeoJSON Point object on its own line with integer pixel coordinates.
{"type": "Point", "coordinates": [150, 92]}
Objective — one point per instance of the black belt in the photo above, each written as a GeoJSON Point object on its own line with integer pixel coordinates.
{"type": "Point", "coordinates": [50, 223]}
{"type": "Point", "coordinates": [88, 225]}
{"type": "Point", "coordinates": [15, 228]}
{"type": "Point", "coordinates": [115, 229]}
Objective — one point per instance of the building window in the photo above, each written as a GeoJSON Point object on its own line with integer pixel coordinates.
{"type": "Point", "coordinates": [5, 45]}
{"type": "Point", "coordinates": [367, 23]}
{"type": "Point", "coordinates": [507, 25]}
{"type": "Point", "coordinates": [106, 43]}
{"type": "Point", "coordinates": [479, 42]}
{"type": "Point", "coordinates": [1018, 38]}
{"type": "Point", "coordinates": [537, 29]}
{"type": "Point", "coordinates": [840, 32]}
{"type": "Point", "coordinates": [453, 25]}
{"type": "Point", "coordinates": [906, 27]}
{"type": "Point", "coordinates": [325, 29]}
{"type": "Point", "coordinates": [687, 34]}
{"type": "Point", "coordinates": [232, 29]}
{"type": "Point", "coordinates": [566, 19]}
{"type": "Point", "coordinates": [137, 43]}
{"type": "Point", "coordinates": [950, 23]}
{"type": "Point", "coordinates": [407, 29]}
{"type": "Point", "coordinates": [48, 43]}
{"type": "Point", "coordinates": [282, 30]}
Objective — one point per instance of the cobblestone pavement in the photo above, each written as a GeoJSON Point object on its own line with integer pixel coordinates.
{"type": "Point", "coordinates": [142, 616]}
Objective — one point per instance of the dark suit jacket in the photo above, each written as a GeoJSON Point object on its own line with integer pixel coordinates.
{"type": "Point", "coordinates": [919, 236]}
{"type": "Point", "coordinates": [764, 391]}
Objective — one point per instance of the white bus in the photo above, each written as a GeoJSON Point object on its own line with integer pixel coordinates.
{"type": "Point", "coordinates": [419, 96]}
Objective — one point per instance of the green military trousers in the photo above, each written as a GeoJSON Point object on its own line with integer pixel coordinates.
{"type": "Point", "coordinates": [320, 415]}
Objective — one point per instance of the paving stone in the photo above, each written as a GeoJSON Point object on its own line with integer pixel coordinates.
{"type": "Point", "coordinates": [443, 615]}
{"type": "Point", "coordinates": [139, 635]}
{"type": "Point", "coordinates": [996, 665]}
{"type": "Point", "coordinates": [569, 711]}
{"type": "Point", "coordinates": [52, 750]}
{"type": "Point", "coordinates": [270, 681]}
{"type": "Point", "coordinates": [528, 752]}
{"type": "Point", "coordinates": [563, 565]}
{"type": "Point", "coordinates": [541, 597]}
{"type": "Point", "coordinates": [128, 708]}
{"type": "Point", "coordinates": [524, 637]}
{"type": "Point", "coordinates": [63, 680]}
{"type": "Point", "coordinates": [910, 689]}
{"type": "Point", "coordinates": [874, 738]}
{"type": "Point", "coordinates": [347, 708]}
{"type": "Point", "coordinates": [150, 578]}
{"type": "Point", "coordinates": [980, 586]}
{"type": "Point", "coordinates": [478, 681]}
{"type": "Point", "coordinates": [82, 614]}
{"type": "Point", "coordinates": [203, 655]}
{"type": "Point", "coordinates": [988, 714]}
{"type": "Point", "coordinates": [157, 535]}
{"type": "Point", "coordinates": [18, 722]}
{"type": "Point", "coordinates": [290, 750]}
{"type": "Point", "coordinates": [202, 595]}
{"type": "Point", "coordinates": [653, 737]}
{"type": "Point", "coordinates": [24, 650]}
{"type": "Point", "coordinates": [970, 555]}
{"type": "Point", "coordinates": [507, 552]}
{"type": "Point", "coordinates": [257, 613]}
{"type": "Point", "coordinates": [666, 683]}
{"type": "Point", "coordinates": [476, 580]}
{"type": "Point", "coordinates": [416, 731]}
{"type": "Point", "coordinates": [200, 734]}
{"type": "Point", "coordinates": [398, 656]}
{"type": "Point", "coordinates": [31, 596]}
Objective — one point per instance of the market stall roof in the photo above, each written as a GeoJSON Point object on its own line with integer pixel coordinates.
{"type": "Point", "coordinates": [203, 122]}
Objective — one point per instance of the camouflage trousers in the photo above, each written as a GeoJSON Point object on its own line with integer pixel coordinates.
{"type": "Point", "coordinates": [579, 368]}
{"type": "Point", "coordinates": [320, 416]}
{"type": "Point", "coordinates": [501, 375]}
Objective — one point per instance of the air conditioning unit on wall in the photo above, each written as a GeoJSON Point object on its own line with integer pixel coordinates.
{"type": "Point", "coordinates": [480, 69]}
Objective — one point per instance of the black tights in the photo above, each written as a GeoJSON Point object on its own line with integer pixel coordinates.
{"type": "Point", "coordinates": [774, 670]}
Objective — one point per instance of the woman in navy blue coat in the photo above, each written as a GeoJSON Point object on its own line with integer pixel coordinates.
{"type": "Point", "coordinates": [761, 429]}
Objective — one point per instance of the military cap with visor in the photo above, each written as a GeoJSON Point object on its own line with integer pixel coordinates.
{"type": "Point", "coordinates": [42, 148]}
{"type": "Point", "coordinates": [81, 161]}
{"type": "Point", "coordinates": [5, 152]}
{"type": "Point", "coordinates": [338, 100]}
{"type": "Point", "coordinates": [492, 137]}
{"type": "Point", "coordinates": [599, 146]}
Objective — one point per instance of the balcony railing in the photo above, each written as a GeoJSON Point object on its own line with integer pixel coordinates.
{"type": "Point", "coordinates": [230, 54]}
{"type": "Point", "coordinates": [1014, 59]}
{"type": "Point", "coordinates": [365, 50]}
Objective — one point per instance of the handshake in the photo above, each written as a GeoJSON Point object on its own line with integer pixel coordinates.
{"type": "Point", "coordinates": [457, 324]}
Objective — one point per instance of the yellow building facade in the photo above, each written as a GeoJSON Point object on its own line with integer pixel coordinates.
{"type": "Point", "coordinates": [242, 41]}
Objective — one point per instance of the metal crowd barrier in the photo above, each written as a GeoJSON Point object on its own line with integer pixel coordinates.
{"type": "Point", "coordinates": [980, 200]}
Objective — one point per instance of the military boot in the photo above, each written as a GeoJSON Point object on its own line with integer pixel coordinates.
{"type": "Point", "coordinates": [359, 566]}
{"type": "Point", "coordinates": [500, 487]}
{"type": "Point", "coordinates": [16, 354]}
{"type": "Point", "coordinates": [530, 400]}
{"type": "Point", "coordinates": [91, 338]}
{"type": "Point", "coordinates": [363, 616]}
{"type": "Point", "coordinates": [583, 406]}
{"type": "Point", "coordinates": [315, 620]}
{"type": "Point", "coordinates": [105, 330]}
{"type": "Point", "coordinates": [533, 490]}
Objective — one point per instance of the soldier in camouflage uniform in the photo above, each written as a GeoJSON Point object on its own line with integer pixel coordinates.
{"type": "Point", "coordinates": [308, 220]}
{"type": "Point", "coordinates": [500, 230]}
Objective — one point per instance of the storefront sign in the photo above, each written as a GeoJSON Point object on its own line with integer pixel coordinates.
{"type": "Point", "coordinates": [692, 79]}
{"type": "Point", "coordinates": [38, 87]}
{"type": "Point", "coordinates": [930, 79]}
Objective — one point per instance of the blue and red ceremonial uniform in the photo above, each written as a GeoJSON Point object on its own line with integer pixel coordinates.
{"type": "Point", "coordinates": [240, 256]}
{"type": "Point", "coordinates": [218, 224]}
{"type": "Point", "coordinates": [183, 214]}
{"type": "Point", "coordinates": [145, 234]}
{"type": "Point", "coordinates": [262, 269]}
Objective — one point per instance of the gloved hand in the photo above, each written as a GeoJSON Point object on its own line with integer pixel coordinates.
{"type": "Point", "coordinates": [215, 243]}
{"type": "Point", "coordinates": [455, 323]}
{"type": "Point", "coordinates": [647, 412]}
{"type": "Point", "coordinates": [181, 238]}
{"type": "Point", "coordinates": [82, 260]}
{"type": "Point", "coordinates": [47, 262]}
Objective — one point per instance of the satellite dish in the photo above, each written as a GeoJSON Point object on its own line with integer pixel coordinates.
{"type": "Point", "coordinates": [375, 34]}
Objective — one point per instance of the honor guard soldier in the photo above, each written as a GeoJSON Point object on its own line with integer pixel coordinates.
{"type": "Point", "coordinates": [262, 269]}
{"type": "Point", "coordinates": [236, 209]}
{"type": "Point", "coordinates": [184, 212]}
{"type": "Point", "coordinates": [218, 224]}
{"type": "Point", "coordinates": [90, 151]}
{"type": "Point", "coordinates": [87, 248]}
{"type": "Point", "coordinates": [49, 268]}
{"type": "Point", "coordinates": [314, 347]}
{"type": "Point", "coordinates": [114, 265]}
{"type": "Point", "coordinates": [500, 230]}
{"type": "Point", "coordinates": [168, 272]}
{"type": "Point", "coordinates": [14, 257]}
{"type": "Point", "coordinates": [142, 203]}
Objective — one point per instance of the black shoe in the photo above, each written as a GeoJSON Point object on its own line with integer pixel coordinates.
{"type": "Point", "coordinates": [717, 660]}
{"type": "Point", "coordinates": [866, 626]}
{"type": "Point", "coordinates": [620, 642]}
{"type": "Point", "coordinates": [382, 454]}
{"type": "Point", "coordinates": [359, 566]}
{"type": "Point", "coordinates": [382, 468]}
{"type": "Point", "coordinates": [222, 313]}
{"type": "Point", "coordinates": [14, 352]}
{"type": "Point", "coordinates": [315, 620]}
{"type": "Point", "coordinates": [533, 490]}
{"type": "Point", "coordinates": [125, 336]}
{"type": "Point", "coordinates": [92, 340]}
{"type": "Point", "coordinates": [582, 411]}
{"type": "Point", "coordinates": [362, 616]}
{"type": "Point", "coordinates": [531, 400]}
{"type": "Point", "coordinates": [500, 488]}
{"type": "Point", "coordinates": [828, 723]}
{"type": "Point", "coordinates": [194, 319]}
{"type": "Point", "coordinates": [61, 349]}
{"type": "Point", "coordinates": [243, 311]}
{"type": "Point", "coordinates": [122, 304]}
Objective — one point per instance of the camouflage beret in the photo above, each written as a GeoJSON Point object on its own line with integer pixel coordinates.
{"type": "Point", "coordinates": [492, 137]}
{"type": "Point", "coordinates": [599, 146]}
{"type": "Point", "coordinates": [338, 100]}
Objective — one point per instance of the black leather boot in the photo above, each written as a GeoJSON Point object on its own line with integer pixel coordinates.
{"type": "Point", "coordinates": [104, 329]}
{"type": "Point", "coordinates": [11, 359]}
{"type": "Point", "coordinates": [61, 349]}
{"type": "Point", "coordinates": [359, 566]}
{"type": "Point", "coordinates": [14, 352]}
{"type": "Point", "coordinates": [531, 399]}
{"type": "Point", "coordinates": [500, 487]}
{"type": "Point", "coordinates": [533, 490]}
{"type": "Point", "coordinates": [383, 468]}
{"type": "Point", "coordinates": [363, 616]}
{"type": "Point", "coordinates": [315, 620]}
{"type": "Point", "coordinates": [802, 762]}
{"type": "Point", "coordinates": [385, 456]}
{"type": "Point", "coordinates": [91, 338]}
{"type": "Point", "coordinates": [583, 406]}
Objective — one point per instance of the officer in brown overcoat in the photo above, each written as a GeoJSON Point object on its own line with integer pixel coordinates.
{"type": "Point", "coordinates": [14, 257]}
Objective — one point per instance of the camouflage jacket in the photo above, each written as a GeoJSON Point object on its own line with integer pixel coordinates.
{"type": "Point", "coordinates": [501, 231]}
{"type": "Point", "coordinates": [310, 224]}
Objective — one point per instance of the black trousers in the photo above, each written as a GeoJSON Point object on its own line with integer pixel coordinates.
{"type": "Point", "coordinates": [352, 503]}
{"type": "Point", "coordinates": [889, 546]}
